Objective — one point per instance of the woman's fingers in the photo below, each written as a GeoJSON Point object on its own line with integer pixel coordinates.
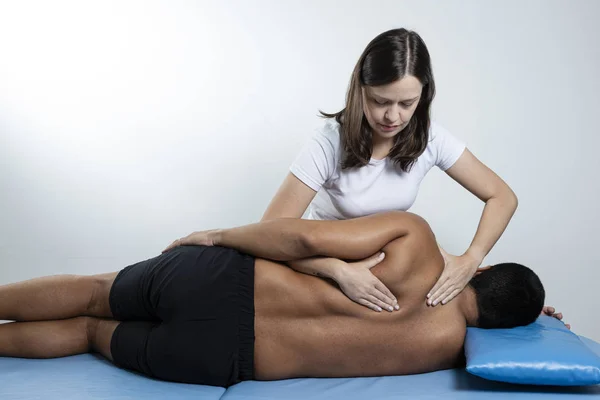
{"type": "Point", "coordinates": [449, 297]}
{"type": "Point", "coordinates": [176, 243]}
{"type": "Point", "coordinates": [558, 316]}
{"type": "Point", "coordinates": [169, 247]}
{"type": "Point", "coordinates": [368, 304]}
{"type": "Point", "coordinates": [389, 302]}
{"type": "Point", "coordinates": [389, 298]}
{"type": "Point", "coordinates": [381, 304]}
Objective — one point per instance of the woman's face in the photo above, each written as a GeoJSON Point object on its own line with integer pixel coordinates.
{"type": "Point", "coordinates": [389, 108]}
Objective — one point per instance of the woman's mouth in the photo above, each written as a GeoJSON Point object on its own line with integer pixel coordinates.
{"type": "Point", "coordinates": [388, 128]}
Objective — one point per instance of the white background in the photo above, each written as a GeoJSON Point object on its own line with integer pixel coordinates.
{"type": "Point", "coordinates": [127, 124]}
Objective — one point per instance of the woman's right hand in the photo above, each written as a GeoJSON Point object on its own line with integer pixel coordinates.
{"type": "Point", "coordinates": [358, 283]}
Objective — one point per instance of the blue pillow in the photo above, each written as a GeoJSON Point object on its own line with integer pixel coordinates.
{"type": "Point", "coordinates": [542, 353]}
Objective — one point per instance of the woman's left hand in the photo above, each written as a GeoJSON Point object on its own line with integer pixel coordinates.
{"type": "Point", "coordinates": [458, 271]}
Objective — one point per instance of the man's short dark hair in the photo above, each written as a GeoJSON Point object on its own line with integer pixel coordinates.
{"type": "Point", "coordinates": [508, 295]}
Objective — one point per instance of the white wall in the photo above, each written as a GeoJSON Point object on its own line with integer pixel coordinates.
{"type": "Point", "coordinates": [126, 124]}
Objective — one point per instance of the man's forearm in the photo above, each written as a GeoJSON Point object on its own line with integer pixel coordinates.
{"type": "Point", "coordinates": [289, 245]}
{"type": "Point", "coordinates": [283, 239]}
{"type": "Point", "coordinates": [293, 239]}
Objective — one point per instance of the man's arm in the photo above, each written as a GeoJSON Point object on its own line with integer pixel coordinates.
{"type": "Point", "coordinates": [290, 239]}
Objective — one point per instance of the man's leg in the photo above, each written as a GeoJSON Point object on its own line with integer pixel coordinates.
{"type": "Point", "coordinates": [49, 339]}
{"type": "Point", "coordinates": [57, 297]}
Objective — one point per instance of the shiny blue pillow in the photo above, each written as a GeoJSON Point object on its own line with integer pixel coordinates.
{"type": "Point", "coordinates": [542, 353]}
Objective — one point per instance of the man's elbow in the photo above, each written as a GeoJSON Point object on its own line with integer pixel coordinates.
{"type": "Point", "coordinates": [417, 224]}
{"type": "Point", "coordinates": [408, 223]}
{"type": "Point", "coordinates": [307, 243]}
{"type": "Point", "coordinates": [297, 239]}
{"type": "Point", "coordinates": [409, 220]}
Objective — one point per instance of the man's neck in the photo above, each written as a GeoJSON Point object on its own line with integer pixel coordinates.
{"type": "Point", "coordinates": [468, 305]}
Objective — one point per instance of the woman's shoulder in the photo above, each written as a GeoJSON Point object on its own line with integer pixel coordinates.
{"type": "Point", "coordinates": [318, 159]}
{"type": "Point", "coordinates": [439, 136]}
{"type": "Point", "coordinates": [329, 134]}
{"type": "Point", "coordinates": [436, 130]}
{"type": "Point", "coordinates": [443, 148]}
{"type": "Point", "coordinates": [330, 128]}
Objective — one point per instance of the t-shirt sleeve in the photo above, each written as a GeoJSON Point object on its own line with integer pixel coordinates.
{"type": "Point", "coordinates": [316, 161]}
{"type": "Point", "coordinates": [448, 148]}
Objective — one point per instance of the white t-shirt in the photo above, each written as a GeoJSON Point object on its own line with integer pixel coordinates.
{"type": "Point", "coordinates": [376, 187]}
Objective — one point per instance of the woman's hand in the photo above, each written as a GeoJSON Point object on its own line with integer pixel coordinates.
{"type": "Point", "coordinates": [358, 283]}
{"type": "Point", "coordinates": [457, 273]}
{"type": "Point", "coordinates": [551, 312]}
{"type": "Point", "coordinates": [204, 238]}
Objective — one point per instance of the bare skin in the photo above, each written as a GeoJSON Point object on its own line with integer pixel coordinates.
{"type": "Point", "coordinates": [57, 316]}
{"type": "Point", "coordinates": [304, 325]}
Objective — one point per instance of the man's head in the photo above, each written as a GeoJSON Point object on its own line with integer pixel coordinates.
{"type": "Point", "coordinates": [508, 295]}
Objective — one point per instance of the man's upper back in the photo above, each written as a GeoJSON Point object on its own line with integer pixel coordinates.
{"type": "Point", "coordinates": [306, 326]}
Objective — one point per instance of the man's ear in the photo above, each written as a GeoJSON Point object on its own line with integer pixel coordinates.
{"type": "Point", "coordinates": [481, 269]}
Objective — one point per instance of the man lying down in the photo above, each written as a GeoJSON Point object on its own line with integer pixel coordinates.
{"type": "Point", "coordinates": [225, 308]}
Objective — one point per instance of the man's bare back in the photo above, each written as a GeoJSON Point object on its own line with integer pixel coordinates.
{"type": "Point", "coordinates": [305, 326]}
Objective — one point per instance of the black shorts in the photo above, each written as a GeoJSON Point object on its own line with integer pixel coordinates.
{"type": "Point", "coordinates": [188, 316]}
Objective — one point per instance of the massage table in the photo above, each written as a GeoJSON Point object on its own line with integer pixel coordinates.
{"type": "Point", "coordinates": [89, 376]}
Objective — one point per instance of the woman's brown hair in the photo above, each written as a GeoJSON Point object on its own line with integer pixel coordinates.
{"type": "Point", "coordinates": [389, 57]}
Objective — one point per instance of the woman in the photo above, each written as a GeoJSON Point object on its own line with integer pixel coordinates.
{"type": "Point", "coordinates": [372, 156]}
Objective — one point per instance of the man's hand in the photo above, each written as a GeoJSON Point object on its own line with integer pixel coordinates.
{"type": "Point", "coordinates": [204, 238]}
{"type": "Point", "coordinates": [551, 312]}
{"type": "Point", "coordinates": [457, 273]}
{"type": "Point", "coordinates": [358, 283]}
